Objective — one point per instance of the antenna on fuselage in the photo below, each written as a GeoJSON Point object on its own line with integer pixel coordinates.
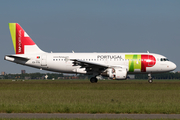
{"type": "Point", "coordinates": [147, 51]}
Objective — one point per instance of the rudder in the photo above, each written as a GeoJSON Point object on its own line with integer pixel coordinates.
{"type": "Point", "coordinates": [22, 43]}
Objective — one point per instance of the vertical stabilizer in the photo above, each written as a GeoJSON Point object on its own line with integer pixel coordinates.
{"type": "Point", "coordinates": [22, 43]}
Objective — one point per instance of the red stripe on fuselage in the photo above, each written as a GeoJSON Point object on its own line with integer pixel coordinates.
{"type": "Point", "coordinates": [147, 61]}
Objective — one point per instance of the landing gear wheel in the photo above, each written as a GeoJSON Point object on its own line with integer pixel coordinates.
{"type": "Point", "coordinates": [150, 80]}
{"type": "Point", "coordinates": [93, 80]}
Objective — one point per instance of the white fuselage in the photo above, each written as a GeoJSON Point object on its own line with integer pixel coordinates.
{"type": "Point", "coordinates": [62, 62]}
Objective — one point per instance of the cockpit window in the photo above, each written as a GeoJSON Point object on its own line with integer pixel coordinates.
{"type": "Point", "coordinates": [164, 59]}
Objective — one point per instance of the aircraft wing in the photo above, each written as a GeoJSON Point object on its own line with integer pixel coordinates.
{"type": "Point", "coordinates": [87, 64]}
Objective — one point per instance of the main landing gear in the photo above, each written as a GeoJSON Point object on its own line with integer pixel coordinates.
{"type": "Point", "coordinates": [150, 78]}
{"type": "Point", "coordinates": [93, 80]}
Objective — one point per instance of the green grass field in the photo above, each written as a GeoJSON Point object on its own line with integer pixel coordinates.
{"type": "Point", "coordinates": [81, 96]}
{"type": "Point", "coordinates": [75, 119]}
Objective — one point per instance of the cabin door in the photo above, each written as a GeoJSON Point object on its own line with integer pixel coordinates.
{"type": "Point", "coordinates": [44, 60]}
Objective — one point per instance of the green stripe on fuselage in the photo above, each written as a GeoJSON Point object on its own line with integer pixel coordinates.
{"type": "Point", "coordinates": [134, 62]}
{"type": "Point", "coordinates": [12, 28]}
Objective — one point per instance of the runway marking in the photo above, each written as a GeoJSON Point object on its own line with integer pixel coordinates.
{"type": "Point", "coordinates": [79, 115]}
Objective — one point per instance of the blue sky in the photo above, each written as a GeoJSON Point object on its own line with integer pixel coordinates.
{"type": "Point", "coordinates": [93, 26]}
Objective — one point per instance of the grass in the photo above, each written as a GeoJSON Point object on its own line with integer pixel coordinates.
{"type": "Point", "coordinates": [77, 119]}
{"type": "Point", "coordinates": [81, 96]}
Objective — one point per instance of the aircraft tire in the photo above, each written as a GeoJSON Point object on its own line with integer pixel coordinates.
{"type": "Point", "coordinates": [150, 80]}
{"type": "Point", "coordinates": [93, 80]}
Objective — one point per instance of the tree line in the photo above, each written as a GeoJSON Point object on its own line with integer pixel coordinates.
{"type": "Point", "coordinates": [168, 75]}
{"type": "Point", "coordinates": [32, 76]}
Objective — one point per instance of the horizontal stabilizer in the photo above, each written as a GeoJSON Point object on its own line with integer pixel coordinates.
{"type": "Point", "coordinates": [13, 57]}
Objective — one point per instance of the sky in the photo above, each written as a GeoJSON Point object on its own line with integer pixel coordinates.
{"type": "Point", "coordinates": [93, 26]}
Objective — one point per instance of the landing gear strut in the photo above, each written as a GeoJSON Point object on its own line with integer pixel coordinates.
{"type": "Point", "coordinates": [93, 80]}
{"type": "Point", "coordinates": [150, 78]}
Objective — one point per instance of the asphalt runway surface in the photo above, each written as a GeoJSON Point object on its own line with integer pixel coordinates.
{"type": "Point", "coordinates": [79, 115]}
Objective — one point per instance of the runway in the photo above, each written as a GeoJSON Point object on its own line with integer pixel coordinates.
{"type": "Point", "coordinates": [79, 115]}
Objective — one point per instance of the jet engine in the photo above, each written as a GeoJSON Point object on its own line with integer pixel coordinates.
{"type": "Point", "coordinates": [117, 73]}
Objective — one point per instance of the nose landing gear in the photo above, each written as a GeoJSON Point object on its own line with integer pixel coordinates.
{"type": "Point", "coordinates": [150, 78]}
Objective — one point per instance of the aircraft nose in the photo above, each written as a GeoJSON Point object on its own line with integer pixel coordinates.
{"type": "Point", "coordinates": [173, 66]}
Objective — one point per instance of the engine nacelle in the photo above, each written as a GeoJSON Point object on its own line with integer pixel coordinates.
{"type": "Point", "coordinates": [117, 73]}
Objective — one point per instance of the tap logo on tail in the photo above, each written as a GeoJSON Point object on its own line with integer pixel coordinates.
{"type": "Point", "coordinates": [19, 37]}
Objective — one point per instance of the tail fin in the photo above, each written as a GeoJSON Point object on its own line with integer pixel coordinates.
{"type": "Point", "coordinates": [23, 44]}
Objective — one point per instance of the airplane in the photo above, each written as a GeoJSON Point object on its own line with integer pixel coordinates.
{"type": "Point", "coordinates": [116, 66]}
